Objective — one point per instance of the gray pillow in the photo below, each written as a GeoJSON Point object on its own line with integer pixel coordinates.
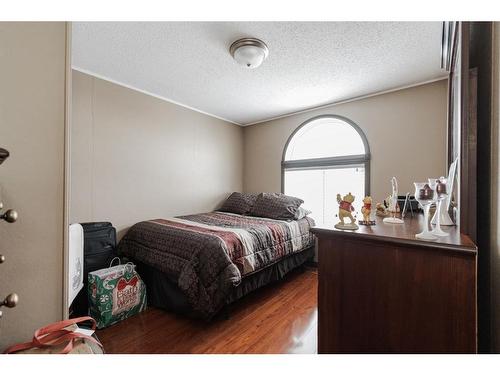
{"type": "Point", "coordinates": [276, 206]}
{"type": "Point", "coordinates": [239, 203]}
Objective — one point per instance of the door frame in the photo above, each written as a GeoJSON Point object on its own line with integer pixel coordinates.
{"type": "Point", "coordinates": [67, 170]}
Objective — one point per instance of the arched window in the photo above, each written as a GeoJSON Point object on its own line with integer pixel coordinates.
{"type": "Point", "coordinates": [324, 156]}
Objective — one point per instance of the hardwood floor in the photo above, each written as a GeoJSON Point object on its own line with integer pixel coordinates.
{"type": "Point", "coordinates": [280, 318]}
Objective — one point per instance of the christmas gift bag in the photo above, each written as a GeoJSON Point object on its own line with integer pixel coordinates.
{"type": "Point", "coordinates": [115, 293]}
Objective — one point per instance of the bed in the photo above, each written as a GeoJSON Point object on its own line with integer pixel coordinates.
{"type": "Point", "coordinates": [198, 264]}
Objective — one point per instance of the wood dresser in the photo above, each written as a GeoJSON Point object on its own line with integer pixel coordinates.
{"type": "Point", "coordinates": [383, 291]}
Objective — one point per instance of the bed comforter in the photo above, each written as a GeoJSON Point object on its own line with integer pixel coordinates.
{"type": "Point", "coordinates": [208, 254]}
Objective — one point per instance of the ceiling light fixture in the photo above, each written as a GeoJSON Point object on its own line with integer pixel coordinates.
{"type": "Point", "coordinates": [249, 52]}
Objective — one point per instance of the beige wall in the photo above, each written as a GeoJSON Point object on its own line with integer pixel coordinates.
{"type": "Point", "coordinates": [136, 157]}
{"type": "Point", "coordinates": [495, 195]}
{"type": "Point", "coordinates": [397, 125]}
{"type": "Point", "coordinates": [32, 98]}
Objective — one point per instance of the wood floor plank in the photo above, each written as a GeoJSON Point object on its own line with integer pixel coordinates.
{"type": "Point", "coordinates": [279, 318]}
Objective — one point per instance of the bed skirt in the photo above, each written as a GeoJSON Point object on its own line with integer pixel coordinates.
{"type": "Point", "coordinates": [163, 292]}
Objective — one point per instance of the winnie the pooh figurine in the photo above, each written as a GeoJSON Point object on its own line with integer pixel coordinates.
{"type": "Point", "coordinates": [366, 211]}
{"type": "Point", "coordinates": [345, 210]}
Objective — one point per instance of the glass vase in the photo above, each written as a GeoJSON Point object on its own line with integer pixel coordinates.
{"type": "Point", "coordinates": [440, 198]}
{"type": "Point", "coordinates": [426, 196]}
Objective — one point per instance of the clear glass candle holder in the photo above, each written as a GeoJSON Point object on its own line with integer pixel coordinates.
{"type": "Point", "coordinates": [440, 198]}
{"type": "Point", "coordinates": [426, 196]}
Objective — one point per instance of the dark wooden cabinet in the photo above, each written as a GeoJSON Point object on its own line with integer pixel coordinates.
{"type": "Point", "coordinates": [383, 291]}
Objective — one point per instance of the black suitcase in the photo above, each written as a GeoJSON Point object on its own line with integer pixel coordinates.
{"type": "Point", "coordinates": [99, 248]}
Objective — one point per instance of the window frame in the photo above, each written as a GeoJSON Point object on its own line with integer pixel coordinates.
{"type": "Point", "coordinates": [329, 162]}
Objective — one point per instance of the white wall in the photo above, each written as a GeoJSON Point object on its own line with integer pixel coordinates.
{"type": "Point", "coordinates": [399, 126]}
{"type": "Point", "coordinates": [136, 157]}
{"type": "Point", "coordinates": [32, 101]}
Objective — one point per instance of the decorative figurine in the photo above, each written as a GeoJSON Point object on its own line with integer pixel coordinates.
{"type": "Point", "coordinates": [381, 209]}
{"type": "Point", "coordinates": [393, 204]}
{"type": "Point", "coordinates": [345, 210]}
{"type": "Point", "coordinates": [366, 211]}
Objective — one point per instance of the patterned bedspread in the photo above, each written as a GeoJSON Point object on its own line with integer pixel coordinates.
{"type": "Point", "coordinates": [209, 253]}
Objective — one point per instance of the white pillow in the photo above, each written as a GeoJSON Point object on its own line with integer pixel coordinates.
{"type": "Point", "coordinates": [302, 213]}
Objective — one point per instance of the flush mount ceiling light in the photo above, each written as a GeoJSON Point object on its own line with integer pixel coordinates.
{"type": "Point", "coordinates": [249, 52]}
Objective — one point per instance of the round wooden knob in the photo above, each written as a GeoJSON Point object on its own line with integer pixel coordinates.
{"type": "Point", "coordinates": [11, 300]}
{"type": "Point", "coordinates": [10, 216]}
{"type": "Point", "coordinates": [4, 154]}
{"type": "Point", "coordinates": [2, 258]}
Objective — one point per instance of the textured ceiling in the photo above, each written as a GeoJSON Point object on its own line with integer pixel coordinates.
{"type": "Point", "coordinates": [309, 64]}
